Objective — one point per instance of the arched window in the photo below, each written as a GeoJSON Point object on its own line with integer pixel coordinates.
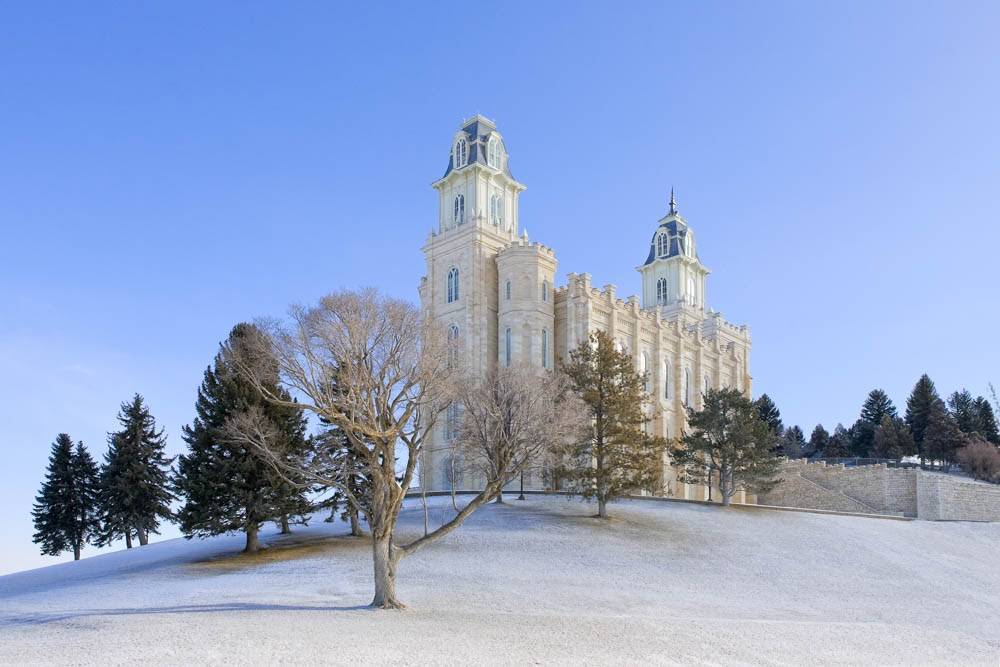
{"type": "Point", "coordinates": [496, 210]}
{"type": "Point", "coordinates": [687, 387]}
{"type": "Point", "coordinates": [662, 245]}
{"type": "Point", "coordinates": [461, 153]}
{"type": "Point", "coordinates": [453, 285]}
{"type": "Point", "coordinates": [690, 295]}
{"type": "Point", "coordinates": [646, 371]}
{"type": "Point", "coordinates": [506, 347]}
{"type": "Point", "coordinates": [493, 153]}
{"type": "Point", "coordinates": [459, 214]}
{"type": "Point", "coordinates": [661, 291]}
{"type": "Point", "coordinates": [451, 421]}
{"type": "Point", "coordinates": [545, 290]}
{"type": "Point", "coordinates": [452, 345]}
{"type": "Point", "coordinates": [545, 348]}
{"type": "Point", "coordinates": [708, 384]}
{"type": "Point", "coordinates": [667, 380]}
{"type": "Point", "coordinates": [507, 290]}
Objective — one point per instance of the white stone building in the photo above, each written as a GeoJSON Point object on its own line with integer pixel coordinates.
{"type": "Point", "coordinates": [494, 290]}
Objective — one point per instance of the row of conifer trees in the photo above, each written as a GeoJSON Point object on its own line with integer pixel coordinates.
{"type": "Point", "coordinates": [931, 428]}
{"type": "Point", "coordinates": [222, 486]}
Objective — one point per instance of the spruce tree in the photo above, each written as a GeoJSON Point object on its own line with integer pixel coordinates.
{"type": "Point", "coordinates": [942, 437]}
{"type": "Point", "coordinates": [729, 441]}
{"type": "Point", "coordinates": [818, 441]}
{"type": "Point", "coordinates": [770, 414]}
{"type": "Point", "coordinates": [918, 408]}
{"type": "Point", "coordinates": [618, 457]}
{"type": "Point", "coordinates": [839, 444]}
{"type": "Point", "coordinates": [226, 485]}
{"type": "Point", "coordinates": [986, 420]}
{"type": "Point", "coordinates": [877, 405]}
{"type": "Point", "coordinates": [893, 439]}
{"type": "Point", "coordinates": [344, 462]}
{"type": "Point", "coordinates": [135, 482]}
{"type": "Point", "coordinates": [961, 405]}
{"type": "Point", "coordinates": [65, 510]}
{"type": "Point", "coordinates": [794, 442]}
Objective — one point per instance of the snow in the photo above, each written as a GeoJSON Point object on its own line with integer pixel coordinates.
{"type": "Point", "coordinates": [537, 581]}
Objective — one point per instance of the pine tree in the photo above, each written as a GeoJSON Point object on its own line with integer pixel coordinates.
{"type": "Point", "coordinates": [839, 444]}
{"type": "Point", "coordinates": [877, 405]}
{"type": "Point", "coordinates": [861, 438]}
{"type": "Point", "coordinates": [618, 457]}
{"type": "Point", "coordinates": [918, 408]}
{"type": "Point", "coordinates": [986, 420]}
{"type": "Point", "coordinates": [770, 414]}
{"type": "Point", "coordinates": [961, 405]}
{"type": "Point", "coordinates": [818, 441]}
{"type": "Point", "coordinates": [728, 440]}
{"type": "Point", "coordinates": [893, 439]}
{"type": "Point", "coordinates": [65, 509]}
{"type": "Point", "coordinates": [229, 486]}
{"type": "Point", "coordinates": [345, 462]}
{"type": "Point", "coordinates": [794, 442]}
{"type": "Point", "coordinates": [942, 437]}
{"type": "Point", "coordinates": [134, 482]}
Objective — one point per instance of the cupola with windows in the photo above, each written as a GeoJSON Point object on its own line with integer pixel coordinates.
{"type": "Point", "coordinates": [477, 186]}
{"type": "Point", "coordinates": [672, 273]}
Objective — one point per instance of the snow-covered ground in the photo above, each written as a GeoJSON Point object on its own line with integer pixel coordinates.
{"type": "Point", "coordinates": [535, 582]}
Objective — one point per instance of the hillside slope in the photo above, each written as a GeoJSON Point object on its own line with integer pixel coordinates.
{"type": "Point", "coordinates": [535, 581]}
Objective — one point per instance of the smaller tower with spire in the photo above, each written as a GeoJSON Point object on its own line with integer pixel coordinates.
{"type": "Point", "coordinates": [672, 275]}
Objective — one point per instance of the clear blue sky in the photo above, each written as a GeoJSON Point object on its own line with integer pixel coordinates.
{"type": "Point", "coordinates": [167, 170]}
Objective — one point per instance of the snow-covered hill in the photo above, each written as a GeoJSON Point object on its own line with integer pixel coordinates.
{"type": "Point", "coordinates": [535, 581]}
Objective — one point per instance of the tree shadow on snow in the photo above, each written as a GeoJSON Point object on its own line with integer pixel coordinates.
{"type": "Point", "coordinates": [43, 618]}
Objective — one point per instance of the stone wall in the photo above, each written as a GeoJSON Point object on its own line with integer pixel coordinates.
{"type": "Point", "coordinates": [878, 489]}
{"type": "Point", "coordinates": [947, 498]}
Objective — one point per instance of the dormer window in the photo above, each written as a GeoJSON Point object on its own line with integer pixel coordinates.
{"type": "Point", "coordinates": [493, 153]}
{"type": "Point", "coordinates": [662, 245]}
{"type": "Point", "coordinates": [461, 153]}
{"type": "Point", "coordinates": [459, 214]}
{"type": "Point", "coordinates": [496, 210]}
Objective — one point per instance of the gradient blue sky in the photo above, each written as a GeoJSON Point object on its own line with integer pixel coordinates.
{"type": "Point", "coordinates": [167, 170]}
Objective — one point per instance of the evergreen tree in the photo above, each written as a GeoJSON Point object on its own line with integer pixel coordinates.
{"type": "Point", "coordinates": [986, 420]}
{"type": "Point", "coordinates": [839, 445]}
{"type": "Point", "coordinates": [961, 406]}
{"type": "Point", "coordinates": [942, 437]}
{"type": "Point", "coordinates": [862, 434]}
{"type": "Point", "coordinates": [346, 463]}
{"type": "Point", "coordinates": [617, 457]}
{"type": "Point", "coordinates": [230, 486]}
{"type": "Point", "coordinates": [877, 405]}
{"type": "Point", "coordinates": [794, 442]}
{"type": "Point", "coordinates": [65, 509]}
{"type": "Point", "coordinates": [728, 440]}
{"type": "Point", "coordinates": [861, 438]}
{"type": "Point", "coordinates": [818, 441]}
{"type": "Point", "coordinates": [770, 414]}
{"type": "Point", "coordinates": [893, 439]}
{"type": "Point", "coordinates": [918, 408]}
{"type": "Point", "coordinates": [134, 482]}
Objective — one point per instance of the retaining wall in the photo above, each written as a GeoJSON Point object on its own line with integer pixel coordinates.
{"type": "Point", "coordinates": [883, 490]}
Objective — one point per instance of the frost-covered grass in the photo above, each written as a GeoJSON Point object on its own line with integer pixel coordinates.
{"type": "Point", "coordinates": [535, 581]}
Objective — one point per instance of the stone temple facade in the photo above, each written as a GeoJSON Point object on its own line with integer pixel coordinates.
{"type": "Point", "coordinates": [495, 292]}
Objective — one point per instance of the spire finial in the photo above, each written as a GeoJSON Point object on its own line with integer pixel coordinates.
{"type": "Point", "coordinates": [673, 202]}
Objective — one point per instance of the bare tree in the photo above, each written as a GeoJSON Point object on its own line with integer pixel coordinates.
{"type": "Point", "coordinates": [515, 417]}
{"type": "Point", "coordinates": [376, 368]}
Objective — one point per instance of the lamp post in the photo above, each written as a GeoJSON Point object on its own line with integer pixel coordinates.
{"type": "Point", "coordinates": [521, 497]}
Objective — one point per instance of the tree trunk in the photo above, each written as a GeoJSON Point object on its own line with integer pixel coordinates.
{"type": "Point", "coordinates": [602, 508]}
{"type": "Point", "coordinates": [385, 559]}
{"type": "Point", "coordinates": [500, 497]}
{"type": "Point", "coordinates": [143, 537]}
{"type": "Point", "coordinates": [253, 544]}
{"type": "Point", "coordinates": [76, 552]}
{"type": "Point", "coordinates": [285, 529]}
{"type": "Point", "coordinates": [128, 539]}
{"type": "Point", "coordinates": [352, 514]}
